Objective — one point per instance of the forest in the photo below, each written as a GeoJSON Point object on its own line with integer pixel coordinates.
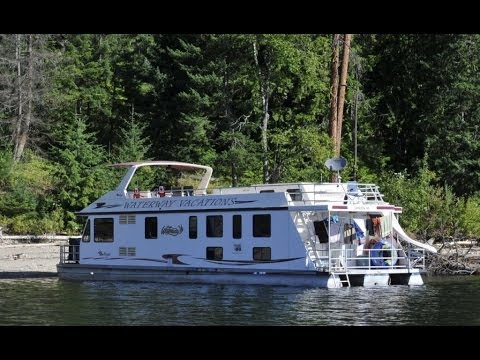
{"type": "Point", "coordinates": [255, 107]}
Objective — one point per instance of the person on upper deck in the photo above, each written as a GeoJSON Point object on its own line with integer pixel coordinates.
{"type": "Point", "coordinates": [161, 191]}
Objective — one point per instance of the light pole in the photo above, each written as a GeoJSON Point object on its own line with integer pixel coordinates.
{"type": "Point", "coordinates": [358, 97]}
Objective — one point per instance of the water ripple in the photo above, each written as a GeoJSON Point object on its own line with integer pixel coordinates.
{"type": "Point", "coordinates": [441, 301]}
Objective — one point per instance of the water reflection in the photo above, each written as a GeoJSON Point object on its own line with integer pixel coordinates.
{"type": "Point", "coordinates": [442, 301]}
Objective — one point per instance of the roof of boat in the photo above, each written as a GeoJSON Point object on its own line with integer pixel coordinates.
{"type": "Point", "coordinates": [172, 164]}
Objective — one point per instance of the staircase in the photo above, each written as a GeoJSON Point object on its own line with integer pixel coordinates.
{"type": "Point", "coordinates": [340, 280]}
{"type": "Point", "coordinates": [305, 229]}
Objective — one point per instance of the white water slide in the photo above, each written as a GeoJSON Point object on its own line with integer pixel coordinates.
{"type": "Point", "coordinates": [401, 233]}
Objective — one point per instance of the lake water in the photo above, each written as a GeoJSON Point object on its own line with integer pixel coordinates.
{"type": "Point", "coordinates": [50, 301]}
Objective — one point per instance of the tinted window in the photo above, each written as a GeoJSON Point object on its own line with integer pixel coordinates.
{"type": "Point", "coordinates": [103, 230]}
{"type": "Point", "coordinates": [237, 226]}
{"type": "Point", "coordinates": [215, 226]}
{"type": "Point", "coordinates": [262, 225]}
{"type": "Point", "coordinates": [214, 253]}
{"type": "Point", "coordinates": [151, 228]}
{"type": "Point", "coordinates": [192, 227]}
{"type": "Point", "coordinates": [262, 253]}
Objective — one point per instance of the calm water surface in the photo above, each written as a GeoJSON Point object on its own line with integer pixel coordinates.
{"type": "Point", "coordinates": [441, 301]}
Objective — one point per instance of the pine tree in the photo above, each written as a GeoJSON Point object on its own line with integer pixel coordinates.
{"type": "Point", "coordinates": [80, 179]}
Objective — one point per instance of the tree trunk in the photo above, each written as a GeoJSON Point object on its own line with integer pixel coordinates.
{"type": "Point", "coordinates": [333, 94]}
{"type": "Point", "coordinates": [234, 175]}
{"type": "Point", "coordinates": [334, 88]}
{"type": "Point", "coordinates": [263, 78]}
{"type": "Point", "coordinates": [17, 127]}
{"type": "Point", "coordinates": [341, 92]}
{"type": "Point", "coordinates": [29, 101]}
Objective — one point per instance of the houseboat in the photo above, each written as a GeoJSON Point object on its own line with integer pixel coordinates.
{"type": "Point", "coordinates": [297, 234]}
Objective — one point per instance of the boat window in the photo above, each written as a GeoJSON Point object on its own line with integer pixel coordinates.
{"type": "Point", "coordinates": [86, 232]}
{"type": "Point", "coordinates": [214, 253]}
{"type": "Point", "coordinates": [237, 226]}
{"type": "Point", "coordinates": [262, 253]}
{"type": "Point", "coordinates": [321, 230]}
{"type": "Point", "coordinates": [267, 191]}
{"type": "Point", "coordinates": [214, 226]}
{"type": "Point", "coordinates": [151, 228]}
{"type": "Point", "coordinates": [262, 225]}
{"type": "Point", "coordinates": [295, 194]}
{"type": "Point", "coordinates": [192, 227]}
{"type": "Point", "coordinates": [103, 230]}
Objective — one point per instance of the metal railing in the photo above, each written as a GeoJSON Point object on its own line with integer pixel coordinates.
{"type": "Point", "coordinates": [302, 193]}
{"type": "Point", "coordinates": [344, 259]}
{"type": "Point", "coordinates": [69, 254]}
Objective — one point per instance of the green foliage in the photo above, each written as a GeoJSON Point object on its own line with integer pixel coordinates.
{"type": "Point", "coordinates": [28, 183]}
{"type": "Point", "coordinates": [26, 204]}
{"type": "Point", "coordinates": [428, 210]}
{"type": "Point", "coordinates": [32, 224]}
{"type": "Point", "coordinates": [198, 98]}
{"type": "Point", "coordinates": [6, 167]}
{"type": "Point", "coordinates": [239, 160]}
{"type": "Point", "coordinates": [413, 194]}
{"type": "Point", "coordinates": [426, 104]}
{"type": "Point", "coordinates": [469, 220]}
{"type": "Point", "coordinates": [452, 145]}
{"type": "Point", "coordinates": [78, 177]}
{"type": "Point", "coordinates": [18, 200]}
{"type": "Point", "coordinates": [133, 142]}
{"type": "Point", "coordinates": [295, 70]}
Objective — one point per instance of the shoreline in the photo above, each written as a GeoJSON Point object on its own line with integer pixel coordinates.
{"type": "Point", "coordinates": [6, 275]}
{"type": "Point", "coordinates": [30, 257]}
{"type": "Point", "coordinates": [20, 260]}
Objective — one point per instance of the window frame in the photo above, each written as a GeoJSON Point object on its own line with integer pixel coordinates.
{"type": "Point", "coordinates": [87, 233]}
{"type": "Point", "coordinates": [154, 234]}
{"type": "Point", "coordinates": [215, 249]}
{"type": "Point", "coordinates": [258, 229]}
{"type": "Point", "coordinates": [110, 230]}
{"type": "Point", "coordinates": [263, 251]}
{"type": "Point", "coordinates": [214, 226]}
{"type": "Point", "coordinates": [193, 227]}
{"type": "Point", "coordinates": [237, 226]}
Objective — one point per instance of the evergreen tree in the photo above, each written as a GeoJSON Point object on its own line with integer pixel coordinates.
{"type": "Point", "coordinates": [79, 179]}
{"type": "Point", "coordinates": [294, 69]}
{"type": "Point", "coordinates": [452, 145]}
{"type": "Point", "coordinates": [133, 144]}
{"type": "Point", "coordinates": [216, 118]}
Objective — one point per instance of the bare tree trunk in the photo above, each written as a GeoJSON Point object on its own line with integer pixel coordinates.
{"type": "Point", "coordinates": [25, 128]}
{"type": "Point", "coordinates": [234, 175]}
{"type": "Point", "coordinates": [21, 83]}
{"type": "Point", "coordinates": [17, 127]}
{"type": "Point", "coordinates": [341, 92]}
{"type": "Point", "coordinates": [334, 88]}
{"type": "Point", "coordinates": [265, 98]}
{"type": "Point", "coordinates": [333, 94]}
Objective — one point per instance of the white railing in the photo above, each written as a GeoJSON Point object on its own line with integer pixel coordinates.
{"type": "Point", "coordinates": [345, 259]}
{"type": "Point", "coordinates": [69, 254]}
{"type": "Point", "coordinates": [303, 193]}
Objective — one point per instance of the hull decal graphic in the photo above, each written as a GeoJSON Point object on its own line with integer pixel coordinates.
{"type": "Point", "coordinates": [102, 205]}
{"type": "Point", "coordinates": [174, 258]}
{"type": "Point", "coordinates": [172, 230]}
{"type": "Point", "coordinates": [250, 262]}
{"type": "Point", "coordinates": [122, 258]}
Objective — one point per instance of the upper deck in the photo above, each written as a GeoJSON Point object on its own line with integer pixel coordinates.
{"type": "Point", "coordinates": [301, 196]}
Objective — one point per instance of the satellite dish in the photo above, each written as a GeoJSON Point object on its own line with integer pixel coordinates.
{"type": "Point", "coordinates": [336, 164]}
